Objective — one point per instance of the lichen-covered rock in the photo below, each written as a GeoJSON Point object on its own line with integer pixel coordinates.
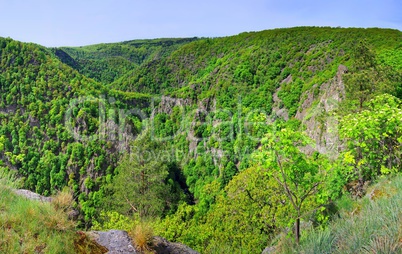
{"type": "Point", "coordinates": [116, 241]}
{"type": "Point", "coordinates": [163, 246]}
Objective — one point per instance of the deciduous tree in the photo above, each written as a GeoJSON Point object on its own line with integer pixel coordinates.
{"type": "Point", "coordinates": [373, 137]}
{"type": "Point", "coordinates": [300, 176]}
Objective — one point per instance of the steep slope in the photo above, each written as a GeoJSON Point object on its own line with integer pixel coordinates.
{"type": "Point", "coordinates": [219, 98]}
{"type": "Point", "coordinates": [222, 91]}
{"type": "Point", "coordinates": [254, 59]}
{"type": "Point", "coordinates": [51, 119]}
{"type": "Point", "coordinates": [280, 72]}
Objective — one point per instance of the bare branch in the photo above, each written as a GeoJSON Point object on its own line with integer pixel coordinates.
{"type": "Point", "coordinates": [131, 205]}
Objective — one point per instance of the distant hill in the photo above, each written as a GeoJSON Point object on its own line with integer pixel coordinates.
{"type": "Point", "coordinates": [108, 62]}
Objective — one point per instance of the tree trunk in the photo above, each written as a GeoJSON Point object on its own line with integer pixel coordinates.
{"type": "Point", "coordinates": [297, 230]}
{"type": "Point", "coordinates": [359, 157]}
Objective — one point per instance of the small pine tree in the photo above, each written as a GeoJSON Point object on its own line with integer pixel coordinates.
{"type": "Point", "coordinates": [366, 78]}
{"type": "Point", "coordinates": [139, 186]}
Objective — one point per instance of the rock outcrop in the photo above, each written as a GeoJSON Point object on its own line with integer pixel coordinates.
{"type": "Point", "coordinates": [115, 241]}
{"type": "Point", "coordinates": [163, 246]}
{"type": "Point", "coordinates": [118, 241]}
{"type": "Point", "coordinates": [277, 107]}
{"type": "Point", "coordinates": [316, 112]}
{"type": "Point", "coordinates": [32, 195]}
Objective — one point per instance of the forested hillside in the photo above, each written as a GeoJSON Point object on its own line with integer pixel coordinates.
{"type": "Point", "coordinates": [38, 92]}
{"type": "Point", "coordinates": [108, 62]}
{"type": "Point", "coordinates": [225, 144]}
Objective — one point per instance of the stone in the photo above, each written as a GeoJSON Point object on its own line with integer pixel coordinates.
{"type": "Point", "coordinates": [116, 241]}
{"type": "Point", "coordinates": [32, 195]}
{"type": "Point", "coordinates": [163, 246]}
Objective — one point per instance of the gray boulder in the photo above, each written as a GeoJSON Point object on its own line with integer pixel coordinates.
{"type": "Point", "coordinates": [116, 241]}
{"type": "Point", "coordinates": [163, 246]}
{"type": "Point", "coordinates": [119, 242]}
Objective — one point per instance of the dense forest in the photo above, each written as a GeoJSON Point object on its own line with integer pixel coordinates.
{"type": "Point", "coordinates": [228, 145]}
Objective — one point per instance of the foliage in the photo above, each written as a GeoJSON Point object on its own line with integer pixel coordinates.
{"type": "Point", "coordinates": [112, 220]}
{"type": "Point", "coordinates": [392, 57]}
{"type": "Point", "coordinates": [2, 144]}
{"type": "Point", "coordinates": [300, 177]}
{"type": "Point", "coordinates": [141, 185]}
{"type": "Point", "coordinates": [366, 77]}
{"type": "Point", "coordinates": [374, 137]}
{"type": "Point", "coordinates": [245, 216]}
{"type": "Point", "coordinates": [45, 107]}
{"type": "Point", "coordinates": [109, 62]}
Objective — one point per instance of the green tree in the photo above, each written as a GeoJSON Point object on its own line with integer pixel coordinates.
{"type": "Point", "coordinates": [300, 176]}
{"type": "Point", "coordinates": [139, 186]}
{"type": "Point", "coordinates": [245, 216]}
{"type": "Point", "coordinates": [248, 214]}
{"type": "Point", "coordinates": [374, 137]}
{"type": "Point", "coordinates": [366, 78]}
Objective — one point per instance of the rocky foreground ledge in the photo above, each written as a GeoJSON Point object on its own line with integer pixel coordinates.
{"type": "Point", "coordinates": [118, 241]}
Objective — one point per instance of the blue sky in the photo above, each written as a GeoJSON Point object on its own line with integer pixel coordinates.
{"type": "Point", "coordinates": [84, 22]}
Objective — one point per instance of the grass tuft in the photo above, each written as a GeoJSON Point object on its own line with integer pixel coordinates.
{"type": "Point", "coordinates": [63, 201]}
{"type": "Point", "coordinates": [142, 236]}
